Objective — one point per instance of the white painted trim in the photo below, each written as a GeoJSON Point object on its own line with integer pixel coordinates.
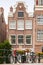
{"type": "Point", "coordinates": [10, 39]}
{"type": "Point", "coordinates": [12, 21]}
{"type": "Point", "coordinates": [20, 24]}
{"type": "Point", "coordinates": [17, 39]}
{"type": "Point", "coordinates": [29, 23]}
{"type": "Point", "coordinates": [23, 13]}
{"type": "Point", "coordinates": [40, 41]}
{"type": "Point", "coordinates": [25, 39]}
{"type": "Point", "coordinates": [37, 39]}
{"type": "Point", "coordinates": [39, 7]}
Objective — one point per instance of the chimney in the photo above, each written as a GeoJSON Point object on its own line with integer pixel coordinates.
{"type": "Point", "coordinates": [11, 9]}
{"type": "Point", "coordinates": [1, 9]}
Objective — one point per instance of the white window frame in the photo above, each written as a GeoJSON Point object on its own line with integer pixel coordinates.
{"type": "Point", "coordinates": [40, 2]}
{"type": "Point", "coordinates": [19, 26]}
{"type": "Point", "coordinates": [28, 25]}
{"type": "Point", "coordinates": [31, 39]}
{"type": "Point", "coordinates": [13, 21]}
{"type": "Point", "coordinates": [23, 12]}
{"type": "Point", "coordinates": [23, 39]}
{"type": "Point", "coordinates": [10, 39]}
{"type": "Point", "coordinates": [39, 36]}
{"type": "Point", "coordinates": [39, 20]}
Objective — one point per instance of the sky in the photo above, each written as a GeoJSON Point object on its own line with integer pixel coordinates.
{"type": "Point", "coordinates": [6, 4]}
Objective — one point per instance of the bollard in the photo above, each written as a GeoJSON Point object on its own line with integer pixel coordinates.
{"type": "Point", "coordinates": [39, 58]}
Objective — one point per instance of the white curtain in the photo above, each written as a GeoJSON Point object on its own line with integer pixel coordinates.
{"type": "Point", "coordinates": [12, 25]}
{"type": "Point", "coordinates": [20, 25]}
{"type": "Point", "coordinates": [28, 24]}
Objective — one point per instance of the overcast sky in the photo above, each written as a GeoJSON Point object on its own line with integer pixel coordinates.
{"type": "Point", "coordinates": [7, 3]}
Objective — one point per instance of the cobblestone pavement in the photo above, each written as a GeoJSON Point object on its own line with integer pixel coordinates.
{"type": "Point", "coordinates": [24, 64]}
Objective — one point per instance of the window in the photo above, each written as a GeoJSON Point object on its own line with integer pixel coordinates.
{"type": "Point", "coordinates": [20, 39]}
{"type": "Point", "coordinates": [40, 2]}
{"type": "Point", "coordinates": [20, 25]}
{"type": "Point", "coordinates": [40, 35]}
{"type": "Point", "coordinates": [40, 20]}
{"type": "Point", "coordinates": [28, 39]}
{"type": "Point", "coordinates": [12, 25]}
{"type": "Point", "coordinates": [28, 24]}
{"type": "Point", "coordinates": [13, 39]}
{"type": "Point", "coordinates": [20, 14]}
{"type": "Point", "coordinates": [42, 49]}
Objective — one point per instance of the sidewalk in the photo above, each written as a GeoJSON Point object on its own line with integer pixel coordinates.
{"type": "Point", "coordinates": [41, 60]}
{"type": "Point", "coordinates": [24, 64]}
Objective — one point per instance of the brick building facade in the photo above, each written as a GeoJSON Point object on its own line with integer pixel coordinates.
{"type": "Point", "coordinates": [2, 25]}
{"type": "Point", "coordinates": [25, 31]}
